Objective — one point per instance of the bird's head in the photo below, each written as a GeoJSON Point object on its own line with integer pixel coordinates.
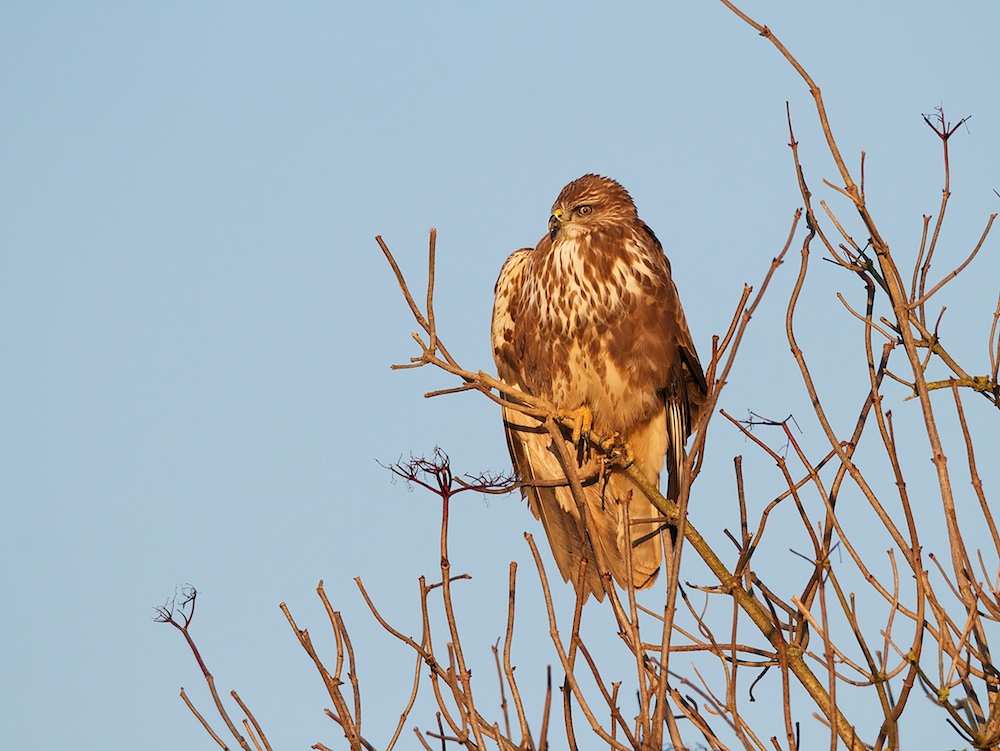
{"type": "Point", "coordinates": [588, 204]}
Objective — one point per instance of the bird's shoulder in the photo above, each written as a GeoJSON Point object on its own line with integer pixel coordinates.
{"type": "Point", "coordinates": [507, 293]}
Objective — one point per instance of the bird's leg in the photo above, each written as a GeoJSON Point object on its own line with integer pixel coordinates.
{"type": "Point", "coordinates": [582, 419]}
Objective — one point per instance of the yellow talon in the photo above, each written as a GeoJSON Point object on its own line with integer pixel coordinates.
{"type": "Point", "coordinates": [582, 420]}
{"type": "Point", "coordinates": [617, 451]}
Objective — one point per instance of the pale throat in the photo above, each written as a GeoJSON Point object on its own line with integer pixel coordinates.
{"type": "Point", "coordinates": [579, 300]}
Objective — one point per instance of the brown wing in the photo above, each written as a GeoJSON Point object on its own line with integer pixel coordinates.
{"type": "Point", "coordinates": [685, 388]}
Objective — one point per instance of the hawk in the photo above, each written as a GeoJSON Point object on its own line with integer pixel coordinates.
{"type": "Point", "coordinates": [590, 321]}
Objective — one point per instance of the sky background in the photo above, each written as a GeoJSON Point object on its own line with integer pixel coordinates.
{"type": "Point", "coordinates": [196, 324]}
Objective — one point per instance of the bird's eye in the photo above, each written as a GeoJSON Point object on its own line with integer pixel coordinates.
{"type": "Point", "coordinates": [584, 210]}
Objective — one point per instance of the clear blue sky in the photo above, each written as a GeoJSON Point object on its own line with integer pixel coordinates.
{"type": "Point", "coordinates": [196, 323]}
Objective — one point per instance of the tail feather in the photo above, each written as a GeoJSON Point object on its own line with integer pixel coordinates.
{"type": "Point", "coordinates": [677, 433]}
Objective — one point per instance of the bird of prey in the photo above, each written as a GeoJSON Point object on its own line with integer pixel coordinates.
{"type": "Point", "coordinates": [590, 321]}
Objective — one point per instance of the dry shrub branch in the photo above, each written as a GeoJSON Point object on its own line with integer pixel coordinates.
{"type": "Point", "coordinates": [934, 614]}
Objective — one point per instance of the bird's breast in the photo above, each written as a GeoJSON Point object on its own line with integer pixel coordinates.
{"type": "Point", "coordinates": [577, 305]}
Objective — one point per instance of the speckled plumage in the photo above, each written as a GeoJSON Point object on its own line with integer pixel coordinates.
{"type": "Point", "coordinates": [591, 317]}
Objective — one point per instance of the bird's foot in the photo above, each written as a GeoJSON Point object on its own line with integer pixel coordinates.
{"type": "Point", "coordinates": [617, 451]}
{"type": "Point", "coordinates": [581, 420]}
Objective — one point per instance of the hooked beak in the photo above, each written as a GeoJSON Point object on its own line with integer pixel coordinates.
{"type": "Point", "coordinates": [555, 222]}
